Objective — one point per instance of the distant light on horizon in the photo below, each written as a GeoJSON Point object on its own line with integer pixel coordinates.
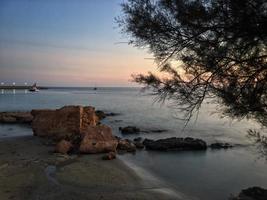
{"type": "Point", "coordinates": [73, 50]}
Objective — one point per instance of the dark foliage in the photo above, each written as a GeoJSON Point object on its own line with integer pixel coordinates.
{"type": "Point", "coordinates": [260, 140]}
{"type": "Point", "coordinates": [221, 45]}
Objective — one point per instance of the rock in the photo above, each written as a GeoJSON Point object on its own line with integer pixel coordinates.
{"type": "Point", "coordinates": [111, 114]}
{"type": "Point", "coordinates": [100, 114]}
{"type": "Point", "coordinates": [129, 130]}
{"type": "Point", "coordinates": [126, 145]}
{"type": "Point", "coordinates": [147, 141]}
{"type": "Point", "coordinates": [174, 143]}
{"type": "Point", "coordinates": [117, 137]}
{"type": "Point", "coordinates": [253, 193]}
{"type": "Point", "coordinates": [63, 147]}
{"type": "Point", "coordinates": [63, 123]}
{"type": "Point", "coordinates": [98, 139]}
{"type": "Point", "coordinates": [139, 144]}
{"type": "Point", "coordinates": [138, 139]}
{"type": "Point", "coordinates": [219, 145]}
{"type": "Point", "coordinates": [15, 117]}
{"type": "Point", "coordinates": [109, 156]}
{"type": "Point", "coordinates": [158, 130]}
{"type": "Point", "coordinates": [154, 131]}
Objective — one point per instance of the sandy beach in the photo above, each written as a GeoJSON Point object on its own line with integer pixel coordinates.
{"type": "Point", "coordinates": [30, 170]}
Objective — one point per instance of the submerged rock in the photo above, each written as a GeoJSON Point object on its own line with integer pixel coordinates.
{"type": "Point", "coordinates": [154, 131]}
{"type": "Point", "coordinates": [15, 117]}
{"type": "Point", "coordinates": [98, 139]}
{"type": "Point", "coordinates": [63, 147]}
{"type": "Point", "coordinates": [63, 123]}
{"type": "Point", "coordinates": [129, 130]}
{"type": "Point", "coordinates": [102, 115]}
{"type": "Point", "coordinates": [253, 193]}
{"type": "Point", "coordinates": [219, 145]}
{"type": "Point", "coordinates": [112, 114]}
{"type": "Point", "coordinates": [158, 130]}
{"type": "Point", "coordinates": [178, 144]}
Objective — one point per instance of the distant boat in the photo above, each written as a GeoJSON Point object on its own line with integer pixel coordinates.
{"type": "Point", "coordinates": [34, 88]}
{"type": "Point", "coordinates": [95, 88]}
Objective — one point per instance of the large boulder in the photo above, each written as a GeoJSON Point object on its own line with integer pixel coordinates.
{"type": "Point", "coordinates": [63, 123]}
{"type": "Point", "coordinates": [98, 139]}
{"type": "Point", "coordinates": [15, 117]}
{"type": "Point", "coordinates": [174, 143]}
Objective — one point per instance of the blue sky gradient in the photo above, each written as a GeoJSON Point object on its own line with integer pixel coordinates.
{"type": "Point", "coordinates": [66, 43]}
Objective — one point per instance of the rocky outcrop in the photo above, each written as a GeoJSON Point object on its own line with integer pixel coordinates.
{"type": "Point", "coordinates": [177, 144]}
{"type": "Point", "coordinates": [15, 117]}
{"type": "Point", "coordinates": [76, 128]}
{"type": "Point", "coordinates": [63, 147]}
{"type": "Point", "coordinates": [126, 145]}
{"type": "Point", "coordinates": [253, 193]}
{"type": "Point", "coordinates": [219, 145]}
{"type": "Point", "coordinates": [63, 123]}
{"type": "Point", "coordinates": [98, 139]}
{"type": "Point", "coordinates": [129, 130]}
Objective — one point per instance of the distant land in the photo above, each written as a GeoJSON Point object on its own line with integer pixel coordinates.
{"type": "Point", "coordinates": [22, 87]}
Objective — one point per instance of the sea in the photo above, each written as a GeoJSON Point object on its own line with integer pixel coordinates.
{"type": "Point", "coordinates": [193, 175]}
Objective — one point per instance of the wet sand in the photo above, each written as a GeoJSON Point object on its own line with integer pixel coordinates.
{"type": "Point", "coordinates": [29, 170]}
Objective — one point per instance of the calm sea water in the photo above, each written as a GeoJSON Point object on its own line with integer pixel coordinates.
{"type": "Point", "coordinates": [210, 175]}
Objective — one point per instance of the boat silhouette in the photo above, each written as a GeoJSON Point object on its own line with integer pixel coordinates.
{"type": "Point", "coordinates": [34, 88]}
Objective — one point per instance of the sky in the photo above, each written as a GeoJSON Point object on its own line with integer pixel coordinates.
{"type": "Point", "coordinates": [67, 43]}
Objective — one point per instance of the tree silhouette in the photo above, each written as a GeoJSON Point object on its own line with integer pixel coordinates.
{"type": "Point", "coordinates": [221, 46]}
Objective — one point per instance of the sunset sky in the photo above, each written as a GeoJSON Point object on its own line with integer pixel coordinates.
{"type": "Point", "coordinates": [66, 43]}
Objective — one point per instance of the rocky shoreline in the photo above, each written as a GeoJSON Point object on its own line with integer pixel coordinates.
{"type": "Point", "coordinates": [72, 131]}
{"type": "Point", "coordinates": [30, 170]}
{"type": "Point", "coordinates": [78, 129]}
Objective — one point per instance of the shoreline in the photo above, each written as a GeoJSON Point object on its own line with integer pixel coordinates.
{"type": "Point", "coordinates": [153, 183]}
{"type": "Point", "coordinates": [88, 176]}
{"type": "Point", "coordinates": [30, 170]}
